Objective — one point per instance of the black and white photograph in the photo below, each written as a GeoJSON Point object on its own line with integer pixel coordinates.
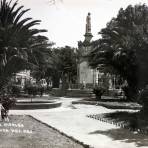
{"type": "Point", "coordinates": [73, 73]}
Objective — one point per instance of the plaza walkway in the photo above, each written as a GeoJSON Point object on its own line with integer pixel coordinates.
{"type": "Point", "coordinates": [72, 120]}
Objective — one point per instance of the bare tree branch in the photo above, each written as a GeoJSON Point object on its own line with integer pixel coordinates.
{"type": "Point", "coordinates": [53, 2]}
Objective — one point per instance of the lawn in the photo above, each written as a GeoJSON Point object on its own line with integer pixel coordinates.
{"type": "Point", "coordinates": [26, 132]}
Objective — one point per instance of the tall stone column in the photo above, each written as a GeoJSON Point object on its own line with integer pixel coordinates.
{"type": "Point", "coordinates": [88, 35]}
{"type": "Point", "coordinates": [88, 23]}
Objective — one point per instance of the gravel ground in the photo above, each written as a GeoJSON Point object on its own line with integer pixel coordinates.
{"type": "Point", "coordinates": [26, 132]}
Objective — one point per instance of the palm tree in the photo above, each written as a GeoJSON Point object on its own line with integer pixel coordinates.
{"type": "Point", "coordinates": [40, 56]}
{"type": "Point", "coordinates": [123, 47]}
{"type": "Point", "coordinates": [18, 39]}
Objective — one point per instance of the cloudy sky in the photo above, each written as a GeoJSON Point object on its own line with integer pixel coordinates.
{"type": "Point", "coordinates": [66, 19]}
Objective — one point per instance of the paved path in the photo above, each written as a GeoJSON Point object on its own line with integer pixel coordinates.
{"type": "Point", "coordinates": [72, 120]}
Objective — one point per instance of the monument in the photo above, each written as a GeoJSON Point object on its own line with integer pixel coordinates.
{"type": "Point", "coordinates": [86, 75]}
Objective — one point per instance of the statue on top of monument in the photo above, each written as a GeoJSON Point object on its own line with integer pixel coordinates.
{"type": "Point", "coordinates": [88, 23]}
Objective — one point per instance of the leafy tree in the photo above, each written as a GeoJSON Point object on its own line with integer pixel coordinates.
{"type": "Point", "coordinates": [123, 47]}
{"type": "Point", "coordinates": [18, 40]}
{"type": "Point", "coordinates": [64, 65]}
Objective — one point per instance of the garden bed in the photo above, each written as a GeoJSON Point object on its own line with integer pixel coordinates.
{"type": "Point", "coordinates": [120, 105]}
{"type": "Point", "coordinates": [36, 105]}
{"type": "Point", "coordinates": [128, 120]}
{"type": "Point", "coordinates": [111, 105]}
{"type": "Point", "coordinates": [44, 102]}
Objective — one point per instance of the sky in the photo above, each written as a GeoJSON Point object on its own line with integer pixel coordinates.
{"type": "Point", "coordinates": [66, 19]}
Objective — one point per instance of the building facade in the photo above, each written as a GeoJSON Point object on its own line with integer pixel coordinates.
{"type": "Point", "coordinates": [22, 78]}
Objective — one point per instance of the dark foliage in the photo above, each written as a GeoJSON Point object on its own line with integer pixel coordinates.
{"type": "Point", "coordinates": [64, 66]}
{"type": "Point", "coordinates": [7, 102]}
{"type": "Point", "coordinates": [31, 89]}
{"type": "Point", "coordinates": [21, 46]}
{"type": "Point", "coordinates": [99, 91]}
{"type": "Point", "coordinates": [122, 50]}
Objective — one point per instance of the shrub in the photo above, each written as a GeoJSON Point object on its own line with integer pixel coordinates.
{"type": "Point", "coordinates": [99, 91]}
{"type": "Point", "coordinates": [41, 90]}
{"type": "Point", "coordinates": [31, 89]}
{"type": "Point", "coordinates": [14, 89]}
{"type": "Point", "coordinates": [8, 102]}
{"type": "Point", "coordinates": [143, 100]}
